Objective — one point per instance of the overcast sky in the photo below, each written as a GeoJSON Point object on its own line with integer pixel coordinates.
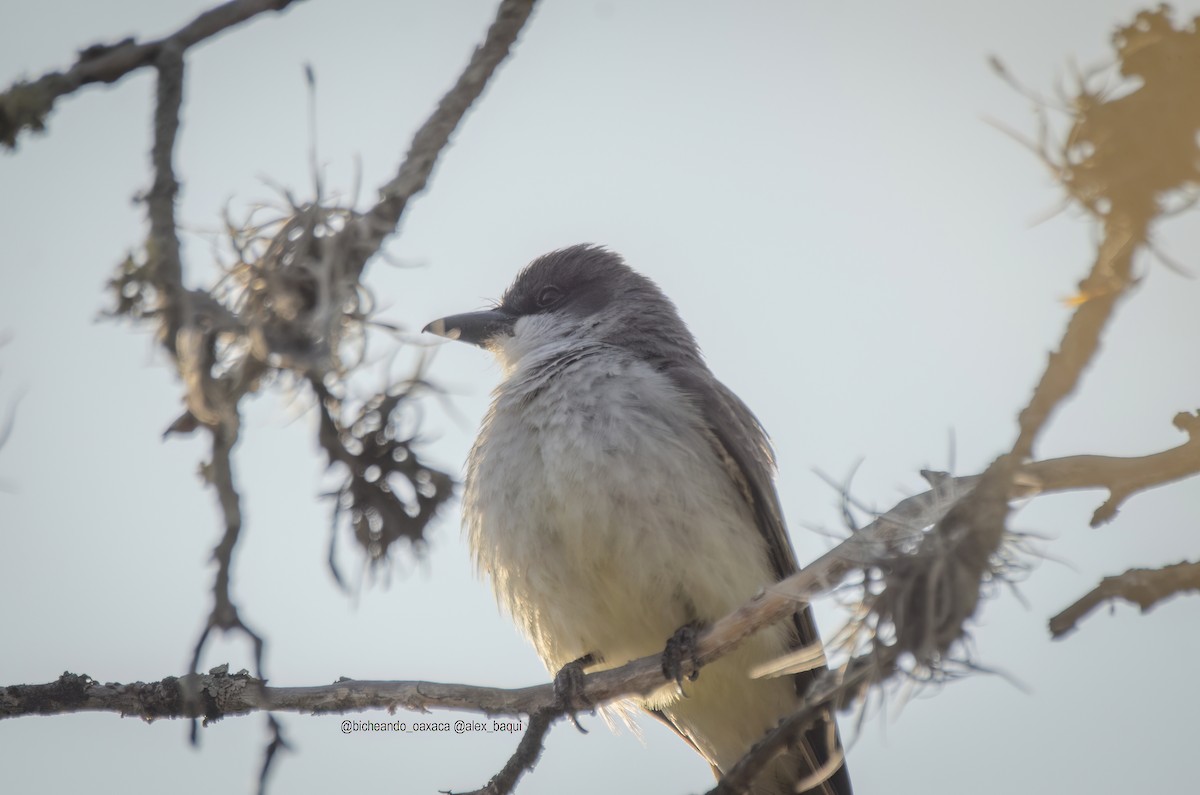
{"type": "Point", "coordinates": [817, 187]}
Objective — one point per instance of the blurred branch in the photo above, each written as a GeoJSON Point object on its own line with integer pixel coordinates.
{"type": "Point", "coordinates": [1121, 161]}
{"type": "Point", "coordinates": [188, 334]}
{"type": "Point", "coordinates": [163, 243]}
{"type": "Point", "coordinates": [524, 758]}
{"type": "Point", "coordinates": [25, 105]}
{"type": "Point", "coordinates": [377, 461]}
{"type": "Point", "coordinates": [1123, 477]}
{"type": "Point", "coordinates": [224, 614]}
{"type": "Point", "coordinates": [825, 689]}
{"type": "Point", "coordinates": [427, 145]}
{"type": "Point", "coordinates": [292, 305]}
{"type": "Point", "coordinates": [1142, 587]}
{"type": "Point", "coordinates": [1103, 165]}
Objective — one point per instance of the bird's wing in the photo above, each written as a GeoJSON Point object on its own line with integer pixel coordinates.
{"type": "Point", "coordinates": [741, 443]}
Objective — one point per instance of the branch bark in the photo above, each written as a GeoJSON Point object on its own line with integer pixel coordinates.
{"type": "Point", "coordinates": [238, 694]}
{"type": "Point", "coordinates": [219, 694]}
{"type": "Point", "coordinates": [24, 106]}
{"type": "Point", "coordinates": [1142, 587]}
{"type": "Point", "coordinates": [1123, 477]}
{"type": "Point", "coordinates": [429, 141]}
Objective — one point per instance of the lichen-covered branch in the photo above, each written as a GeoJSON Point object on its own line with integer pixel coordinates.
{"type": "Point", "coordinates": [292, 305]}
{"type": "Point", "coordinates": [892, 537]}
{"type": "Point", "coordinates": [220, 694]}
{"type": "Point", "coordinates": [873, 545]}
{"type": "Point", "coordinates": [25, 105]}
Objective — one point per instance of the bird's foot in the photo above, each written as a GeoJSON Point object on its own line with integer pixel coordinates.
{"type": "Point", "coordinates": [568, 687]}
{"type": "Point", "coordinates": [680, 648]}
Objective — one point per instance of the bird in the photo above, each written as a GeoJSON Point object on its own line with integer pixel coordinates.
{"type": "Point", "coordinates": [618, 494]}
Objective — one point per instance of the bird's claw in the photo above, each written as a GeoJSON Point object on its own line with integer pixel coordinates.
{"type": "Point", "coordinates": [680, 647]}
{"type": "Point", "coordinates": [568, 688]}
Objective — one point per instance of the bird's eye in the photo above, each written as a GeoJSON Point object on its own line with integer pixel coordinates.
{"type": "Point", "coordinates": [549, 295]}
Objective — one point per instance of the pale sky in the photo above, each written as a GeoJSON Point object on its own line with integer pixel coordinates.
{"type": "Point", "coordinates": [815, 185]}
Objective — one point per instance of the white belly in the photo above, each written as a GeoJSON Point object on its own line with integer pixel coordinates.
{"type": "Point", "coordinates": [605, 521]}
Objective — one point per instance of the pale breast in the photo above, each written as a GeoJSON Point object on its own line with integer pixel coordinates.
{"type": "Point", "coordinates": [595, 503]}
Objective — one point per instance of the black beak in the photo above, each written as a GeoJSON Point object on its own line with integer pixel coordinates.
{"type": "Point", "coordinates": [476, 328]}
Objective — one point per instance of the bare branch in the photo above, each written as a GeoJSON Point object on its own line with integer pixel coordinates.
{"type": "Point", "coordinates": [429, 141]}
{"type": "Point", "coordinates": [163, 244]}
{"type": "Point", "coordinates": [1123, 477]}
{"type": "Point", "coordinates": [880, 543]}
{"type": "Point", "coordinates": [928, 595]}
{"type": "Point", "coordinates": [920, 601]}
{"type": "Point", "coordinates": [224, 615]}
{"type": "Point", "coordinates": [888, 534]}
{"type": "Point", "coordinates": [287, 305]}
{"type": "Point", "coordinates": [947, 570]}
{"type": "Point", "coordinates": [221, 694]}
{"type": "Point", "coordinates": [524, 758]}
{"type": "Point", "coordinates": [188, 336]}
{"type": "Point", "coordinates": [25, 105]}
{"type": "Point", "coordinates": [277, 744]}
{"type": "Point", "coordinates": [1143, 587]}
{"type": "Point", "coordinates": [828, 689]}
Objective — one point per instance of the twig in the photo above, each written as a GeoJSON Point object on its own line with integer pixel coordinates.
{"type": "Point", "coordinates": [524, 758]}
{"type": "Point", "coordinates": [1143, 587]}
{"type": "Point", "coordinates": [928, 596]}
{"type": "Point", "coordinates": [24, 106]}
{"type": "Point", "coordinates": [187, 333]}
{"type": "Point", "coordinates": [184, 336]}
{"type": "Point", "coordinates": [828, 689]}
{"type": "Point", "coordinates": [1123, 477]}
{"type": "Point", "coordinates": [429, 141]}
{"type": "Point", "coordinates": [224, 615]}
{"type": "Point", "coordinates": [1105, 284]}
{"type": "Point", "coordinates": [278, 743]}
{"type": "Point", "coordinates": [163, 244]}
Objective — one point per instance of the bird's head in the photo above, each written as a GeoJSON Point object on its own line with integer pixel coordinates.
{"type": "Point", "coordinates": [575, 296]}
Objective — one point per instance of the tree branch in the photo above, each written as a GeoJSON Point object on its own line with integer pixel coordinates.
{"type": "Point", "coordinates": [221, 694]}
{"type": "Point", "coordinates": [25, 105]}
{"type": "Point", "coordinates": [524, 758]}
{"type": "Point", "coordinates": [292, 328]}
{"type": "Point", "coordinates": [870, 546]}
{"type": "Point", "coordinates": [1123, 477]}
{"type": "Point", "coordinates": [1143, 587]}
{"type": "Point", "coordinates": [826, 691]}
{"type": "Point", "coordinates": [881, 543]}
{"type": "Point", "coordinates": [429, 141]}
